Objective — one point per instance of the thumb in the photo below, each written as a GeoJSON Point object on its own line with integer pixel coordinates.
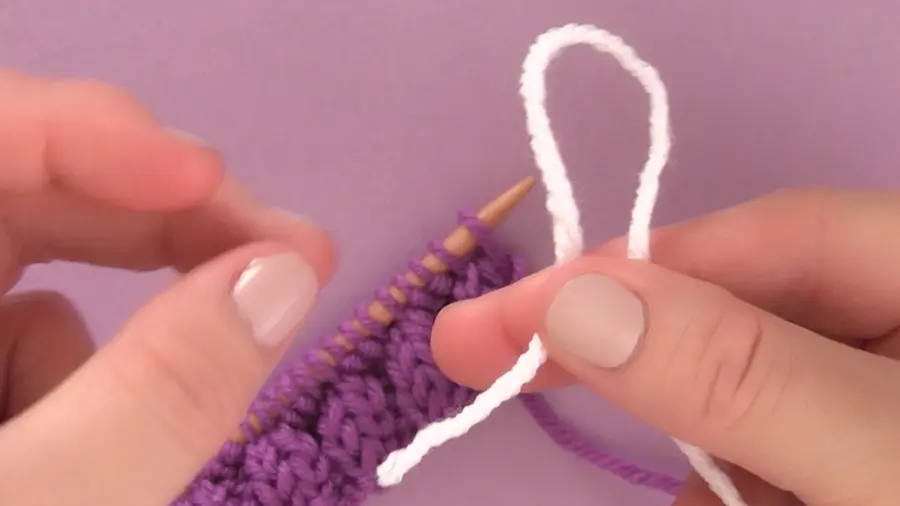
{"type": "Point", "coordinates": [140, 419]}
{"type": "Point", "coordinates": [709, 369]}
{"type": "Point", "coordinates": [694, 361]}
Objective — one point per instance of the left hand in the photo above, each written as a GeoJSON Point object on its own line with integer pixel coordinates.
{"type": "Point", "coordinates": [87, 175]}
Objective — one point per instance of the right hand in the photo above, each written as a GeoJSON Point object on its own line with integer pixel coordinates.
{"type": "Point", "coordinates": [721, 342]}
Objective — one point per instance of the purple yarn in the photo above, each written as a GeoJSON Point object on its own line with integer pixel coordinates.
{"type": "Point", "coordinates": [569, 438]}
{"type": "Point", "coordinates": [322, 446]}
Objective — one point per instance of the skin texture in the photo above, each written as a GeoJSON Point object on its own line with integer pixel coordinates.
{"type": "Point", "coordinates": [771, 342]}
{"type": "Point", "coordinates": [790, 298]}
{"type": "Point", "coordinates": [87, 175]}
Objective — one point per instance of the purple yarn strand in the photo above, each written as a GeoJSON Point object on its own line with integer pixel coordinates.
{"type": "Point", "coordinates": [322, 446]}
{"type": "Point", "coordinates": [569, 438]}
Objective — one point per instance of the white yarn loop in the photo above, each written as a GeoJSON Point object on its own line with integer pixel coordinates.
{"type": "Point", "coordinates": [568, 238]}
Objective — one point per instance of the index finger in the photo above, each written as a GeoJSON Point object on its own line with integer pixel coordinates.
{"type": "Point", "coordinates": [87, 175]}
{"type": "Point", "coordinates": [97, 141]}
{"type": "Point", "coordinates": [54, 226]}
{"type": "Point", "coordinates": [823, 259]}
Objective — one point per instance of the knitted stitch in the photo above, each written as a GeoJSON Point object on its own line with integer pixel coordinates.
{"type": "Point", "coordinates": [323, 429]}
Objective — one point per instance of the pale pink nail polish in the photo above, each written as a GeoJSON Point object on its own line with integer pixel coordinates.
{"type": "Point", "coordinates": [597, 319]}
{"type": "Point", "coordinates": [274, 294]}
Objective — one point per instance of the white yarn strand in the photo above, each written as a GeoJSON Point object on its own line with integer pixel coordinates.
{"type": "Point", "coordinates": [561, 203]}
{"type": "Point", "coordinates": [399, 462]}
{"type": "Point", "coordinates": [568, 238]}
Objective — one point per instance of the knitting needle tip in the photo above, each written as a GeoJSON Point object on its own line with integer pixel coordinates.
{"type": "Point", "coordinates": [495, 212]}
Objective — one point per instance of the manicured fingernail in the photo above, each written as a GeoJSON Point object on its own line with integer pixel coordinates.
{"type": "Point", "coordinates": [597, 319]}
{"type": "Point", "coordinates": [187, 137]}
{"type": "Point", "coordinates": [274, 294]}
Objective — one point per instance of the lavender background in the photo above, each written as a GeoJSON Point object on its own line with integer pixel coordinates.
{"type": "Point", "coordinates": [380, 119]}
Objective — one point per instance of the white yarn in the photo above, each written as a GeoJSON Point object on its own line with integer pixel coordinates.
{"type": "Point", "coordinates": [568, 238]}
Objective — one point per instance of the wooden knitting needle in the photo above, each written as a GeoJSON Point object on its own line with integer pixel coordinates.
{"type": "Point", "coordinates": [458, 243]}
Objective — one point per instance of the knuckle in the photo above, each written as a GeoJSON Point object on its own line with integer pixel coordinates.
{"type": "Point", "coordinates": [49, 302]}
{"type": "Point", "coordinates": [41, 307]}
{"type": "Point", "coordinates": [736, 369]}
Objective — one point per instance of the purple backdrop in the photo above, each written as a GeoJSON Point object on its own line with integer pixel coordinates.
{"type": "Point", "coordinates": [380, 119]}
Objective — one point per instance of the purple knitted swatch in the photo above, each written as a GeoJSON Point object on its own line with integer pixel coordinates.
{"type": "Point", "coordinates": [325, 428]}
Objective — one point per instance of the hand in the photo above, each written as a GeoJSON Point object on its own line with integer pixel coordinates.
{"type": "Point", "coordinates": [721, 342]}
{"type": "Point", "coordinates": [86, 175]}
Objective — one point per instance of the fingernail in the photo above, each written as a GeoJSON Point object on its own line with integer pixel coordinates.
{"type": "Point", "coordinates": [274, 294]}
{"type": "Point", "coordinates": [187, 137]}
{"type": "Point", "coordinates": [597, 319]}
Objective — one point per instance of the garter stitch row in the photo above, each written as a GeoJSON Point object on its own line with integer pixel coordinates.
{"type": "Point", "coordinates": [323, 429]}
